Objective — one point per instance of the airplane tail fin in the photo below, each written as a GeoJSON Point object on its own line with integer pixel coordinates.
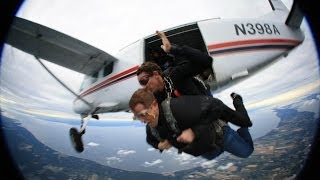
{"type": "Point", "coordinates": [295, 17]}
{"type": "Point", "coordinates": [277, 5]}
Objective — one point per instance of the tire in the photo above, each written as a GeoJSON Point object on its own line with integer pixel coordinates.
{"type": "Point", "coordinates": [76, 140]}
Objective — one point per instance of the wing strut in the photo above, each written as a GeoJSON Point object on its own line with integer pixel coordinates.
{"type": "Point", "coordinates": [63, 84]}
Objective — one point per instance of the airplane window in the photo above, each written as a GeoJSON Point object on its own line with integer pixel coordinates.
{"type": "Point", "coordinates": [85, 83]}
{"type": "Point", "coordinates": [94, 77]}
{"type": "Point", "coordinates": [88, 80]}
{"type": "Point", "coordinates": [108, 69]}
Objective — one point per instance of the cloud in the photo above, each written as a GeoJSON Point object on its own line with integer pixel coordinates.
{"type": "Point", "coordinates": [93, 144]}
{"type": "Point", "coordinates": [111, 160]}
{"type": "Point", "coordinates": [50, 113]}
{"type": "Point", "coordinates": [123, 152]}
{"type": "Point", "coordinates": [225, 167]}
{"type": "Point", "coordinates": [24, 80]}
{"type": "Point", "coordinates": [286, 96]}
{"type": "Point", "coordinates": [118, 116]}
{"type": "Point", "coordinates": [152, 163]}
{"type": "Point", "coordinates": [151, 149]}
{"type": "Point", "coordinates": [310, 105]}
{"type": "Point", "coordinates": [26, 147]}
{"type": "Point", "coordinates": [208, 164]}
{"type": "Point", "coordinates": [184, 158]}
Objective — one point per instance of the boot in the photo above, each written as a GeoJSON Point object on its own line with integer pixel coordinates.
{"type": "Point", "coordinates": [238, 104]}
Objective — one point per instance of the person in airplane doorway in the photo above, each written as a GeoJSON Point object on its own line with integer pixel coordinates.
{"type": "Point", "coordinates": [179, 78]}
{"type": "Point", "coordinates": [193, 124]}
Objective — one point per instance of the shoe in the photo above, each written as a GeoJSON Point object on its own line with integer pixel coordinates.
{"type": "Point", "coordinates": [238, 103]}
{"type": "Point", "coordinates": [235, 96]}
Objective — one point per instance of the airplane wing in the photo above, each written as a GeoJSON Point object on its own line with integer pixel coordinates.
{"type": "Point", "coordinates": [56, 47]}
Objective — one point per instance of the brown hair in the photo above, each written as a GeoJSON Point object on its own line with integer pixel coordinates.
{"type": "Point", "coordinates": [142, 96]}
{"type": "Point", "coordinates": [149, 67]}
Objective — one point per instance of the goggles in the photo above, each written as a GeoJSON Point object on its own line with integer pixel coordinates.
{"type": "Point", "coordinates": [144, 80]}
{"type": "Point", "coordinates": [142, 114]}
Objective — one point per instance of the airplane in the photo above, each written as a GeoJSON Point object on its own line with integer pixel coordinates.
{"type": "Point", "coordinates": [239, 47]}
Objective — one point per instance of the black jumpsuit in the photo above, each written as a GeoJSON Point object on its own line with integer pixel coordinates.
{"type": "Point", "coordinates": [198, 113]}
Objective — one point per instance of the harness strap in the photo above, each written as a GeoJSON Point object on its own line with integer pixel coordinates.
{"type": "Point", "coordinates": [169, 117]}
{"type": "Point", "coordinates": [218, 130]}
{"type": "Point", "coordinates": [168, 84]}
{"type": "Point", "coordinates": [170, 120]}
{"type": "Point", "coordinates": [200, 81]}
{"type": "Point", "coordinates": [156, 134]}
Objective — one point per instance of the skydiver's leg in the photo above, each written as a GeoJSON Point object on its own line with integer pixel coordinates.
{"type": "Point", "coordinates": [245, 135]}
{"type": "Point", "coordinates": [238, 143]}
{"type": "Point", "coordinates": [239, 117]}
{"type": "Point", "coordinates": [238, 104]}
{"type": "Point", "coordinates": [212, 155]}
{"type": "Point", "coordinates": [235, 144]}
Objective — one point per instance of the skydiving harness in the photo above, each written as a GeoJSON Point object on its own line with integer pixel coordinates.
{"type": "Point", "coordinates": [200, 81]}
{"type": "Point", "coordinates": [217, 127]}
{"type": "Point", "coordinates": [169, 117]}
{"type": "Point", "coordinates": [172, 122]}
{"type": "Point", "coordinates": [168, 86]}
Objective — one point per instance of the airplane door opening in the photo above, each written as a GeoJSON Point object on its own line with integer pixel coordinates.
{"type": "Point", "coordinates": [183, 35]}
{"type": "Point", "coordinates": [188, 34]}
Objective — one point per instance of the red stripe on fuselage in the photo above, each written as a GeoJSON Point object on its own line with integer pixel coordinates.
{"type": "Point", "coordinates": [247, 50]}
{"type": "Point", "coordinates": [250, 42]}
{"type": "Point", "coordinates": [109, 81]}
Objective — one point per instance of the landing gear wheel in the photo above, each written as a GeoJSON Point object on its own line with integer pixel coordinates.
{"type": "Point", "coordinates": [95, 117]}
{"type": "Point", "coordinates": [76, 140]}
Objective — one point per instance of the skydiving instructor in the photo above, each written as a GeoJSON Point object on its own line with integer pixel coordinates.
{"type": "Point", "coordinates": [195, 125]}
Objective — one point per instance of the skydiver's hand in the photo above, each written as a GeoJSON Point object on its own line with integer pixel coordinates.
{"type": "Point", "coordinates": [164, 145]}
{"type": "Point", "coordinates": [187, 136]}
{"type": "Point", "coordinates": [165, 41]}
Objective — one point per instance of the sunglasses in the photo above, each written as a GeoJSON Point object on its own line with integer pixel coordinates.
{"type": "Point", "coordinates": [144, 80]}
{"type": "Point", "coordinates": [142, 114]}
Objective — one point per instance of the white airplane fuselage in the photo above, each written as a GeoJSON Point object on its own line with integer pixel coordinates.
{"type": "Point", "coordinates": [238, 47]}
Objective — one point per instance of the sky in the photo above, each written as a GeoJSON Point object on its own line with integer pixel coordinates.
{"type": "Point", "coordinates": [109, 26]}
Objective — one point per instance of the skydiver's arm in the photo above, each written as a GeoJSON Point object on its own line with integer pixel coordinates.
{"type": "Point", "coordinates": [210, 112]}
{"type": "Point", "coordinates": [187, 136]}
{"type": "Point", "coordinates": [202, 142]}
{"type": "Point", "coordinates": [191, 134]}
{"type": "Point", "coordinates": [165, 144]}
{"type": "Point", "coordinates": [199, 129]}
{"type": "Point", "coordinates": [166, 45]}
{"type": "Point", "coordinates": [193, 62]}
{"type": "Point", "coordinates": [194, 56]}
{"type": "Point", "coordinates": [151, 140]}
